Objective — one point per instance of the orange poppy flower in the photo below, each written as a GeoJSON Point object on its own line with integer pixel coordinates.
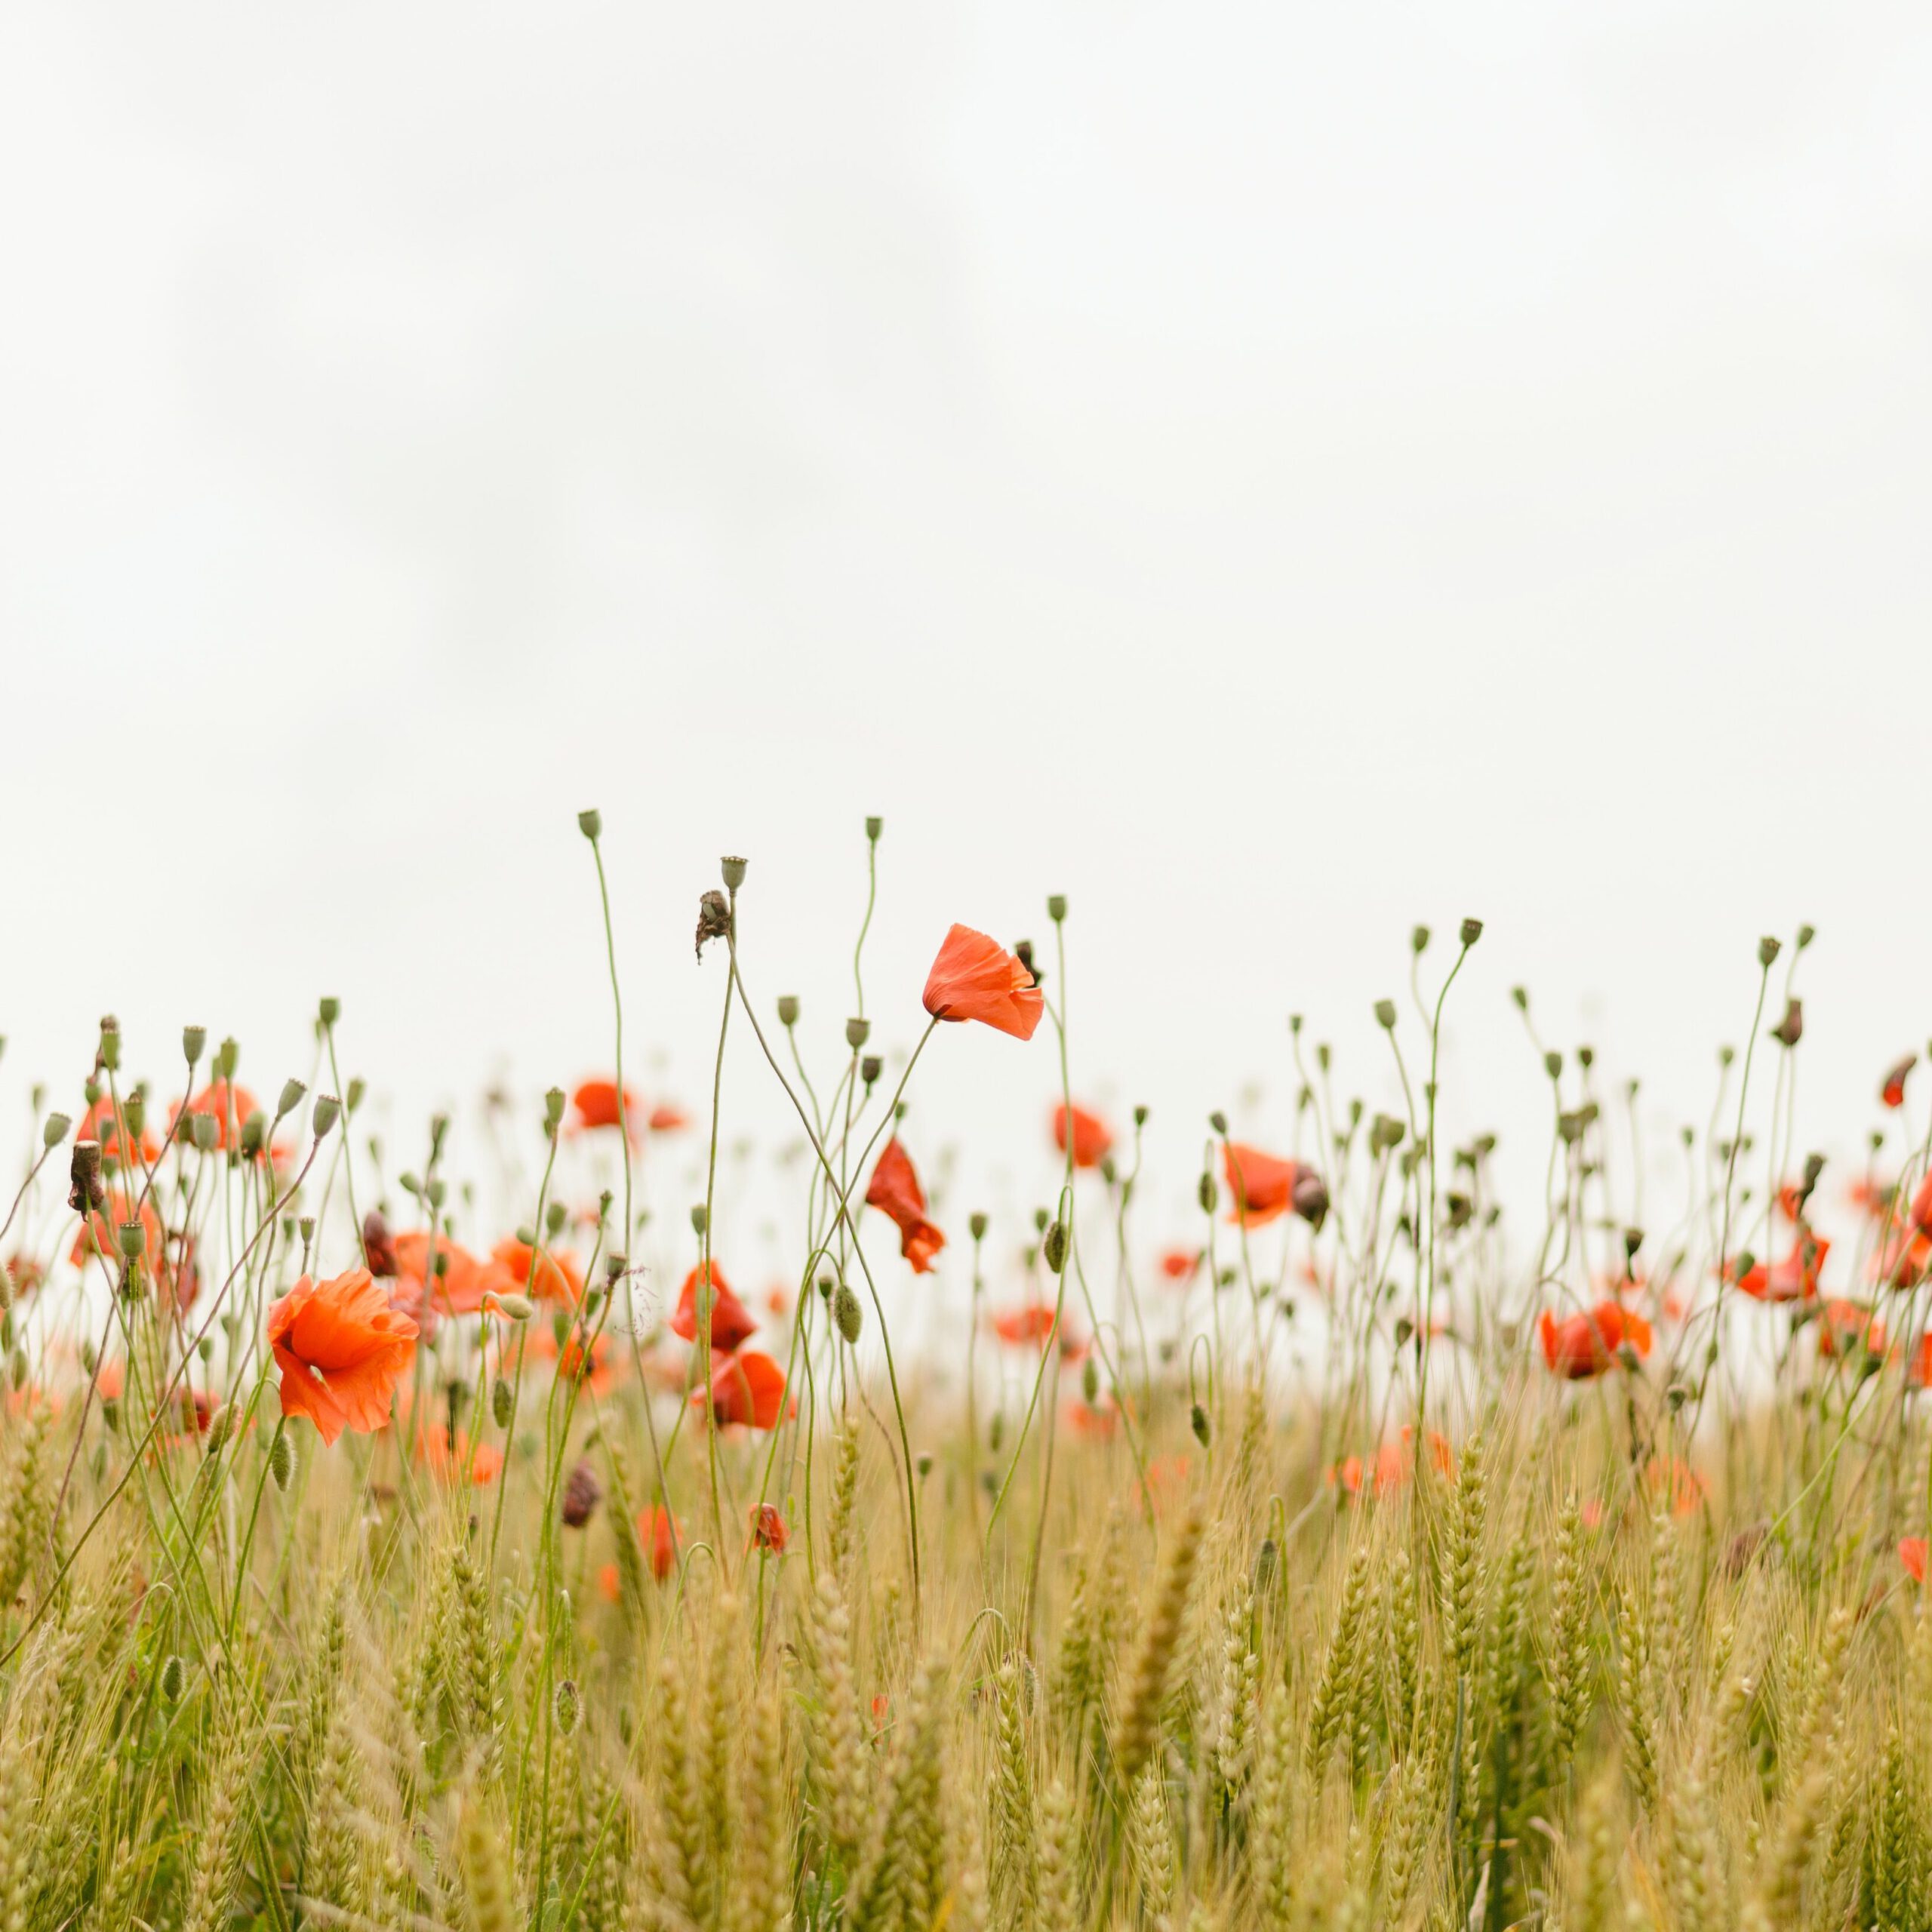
{"type": "Point", "coordinates": [1891, 1091]}
{"type": "Point", "coordinates": [342, 1350]}
{"type": "Point", "coordinates": [768, 1530]}
{"type": "Point", "coordinates": [1029, 1327]}
{"type": "Point", "coordinates": [1092, 1136]}
{"type": "Point", "coordinates": [1582, 1345]}
{"type": "Point", "coordinates": [657, 1530]}
{"type": "Point", "coordinates": [895, 1191]}
{"type": "Point", "coordinates": [1845, 1325]}
{"type": "Point", "coordinates": [100, 1233]}
{"type": "Point", "coordinates": [1795, 1279]}
{"type": "Point", "coordinates": [1674, 1481]}
{"type": "Point", "coordinates": [1262, 1187]}
{"type": "Point", "coordinates": [1912, 1554]}
{"type": "Point", "coordinates": [558, 1278]}
{"type": "Point", "coordinates": [101, 1123]}
{"type": "Point", "coordinates": [602, 1373]}
{"type": "Point", "coordinates": [464, 1281]}
{"type": "Point", "coordinates": [666, 1118]}
{"type": "Point", "coordinates": [1393, 1464]}
{"type": "Point", "coordinates": [732, 1323]}
{"type": "Point", "coordinates": [1178, 1264]}
{"type": "Point", "coordinates": [974, 977]}
{"type": "Point", "coordinates": [453, 1462]}
{"type": "Point", "coordinates": [749, 1389]}
{"type": "Point", "coordinates": [595, 1104]}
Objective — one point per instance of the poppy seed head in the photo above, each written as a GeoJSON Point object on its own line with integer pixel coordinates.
{"type": "Point", "coordinates": [788, 1010]}
{"type": "Point", "coordinates": [55, 1131]}
{"type": "Point", "coordinates": [734, 870]}
{"type": "Point", "coordinates": [591, 824]}
{"type": "Point", "coordinates": [714, 918]}
{"type": "Point", "coordinates": [857, 1032]}
{"type": "Point", "coordinates": [87, 1191]}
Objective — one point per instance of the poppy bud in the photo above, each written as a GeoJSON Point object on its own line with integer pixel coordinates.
{"type": "Point", "coordinates": [566, 1706]}
{"type": "Point", "coordinates": [1633, 1239]}
{"type": "Point", "coordinates": [173, 1679]}
{"type": "Point", "coordinates": [847, 1312]}
{"type": "Point", "coordinates": [1054, 1247]}
{"type": "Point", "coordinates": [292, 1091]}
{"type": "Point", "coordinates": [513, 1308]}
{"type": "Point", "coordinates": [281, 1461]}
{"type": "Point", "coordinates": [734, 870]}
{"type": "Point", "coordinates": [1310, 1194]}
{"type": "Point", "coordinates": [55, 1131]}
{"type": "Point", "coordinates": [1419, 941]}
{"type": "Point", "coordinates": [227, 1058]}
{"type": "Point", "coordinates": [1520, 995]}
{"type": "Point", "coordinates": [1768, 950]}
{"type": "Point", "coordinates": [328, 1108]}
{"type": "Point", "coordinates": [1790, 1029]}
{"type": "Point", "coordinates": [996, 1431]}
{"type": "Point", "coordinates": [1218, 1122]}
{"type": "Point", "coordinates": [857, 1032]}
{"type": "Point", "coordinates": [976, 1227]}
{"type": "Point", "coordinates": [1264, 1560]}
{"type": "Point", "coordinates": [87, 1191]}
{"type": "Point", "coordinates": [1210, 1193]}
{"type": "Point", "coordinates": [870, 1068]}
{"type": "Point", "coordinates": [714, 919]}
{"type": "Point", "coordinates": [582, 1494]}
{"type": "Point", "coordinates": [874, 826]}
{"type": "Point", "coordinates": [135, 1110]}
{"type": "Point", "coordinates": [788, 1009]}
{"type": "Point", "coordinates": [1806, 934]}
{"type": "Point", "coordinates": [1586, 1058]}
{"type": "Point", "coordinates": [700, 1218]}
{"type": "Point", "coordinates": [1198, 1420]}
{"type": "Point", "coordinates": [591, 824]}
{"type": "Point", "coordinates": [1041, 1218]}
{"type": "Point", "coordinates": [1471, 931]}
{"type": "Point", "coordinates": [1090, 1381]}
{"type": "Point", "coordinates": [1385, 1015]}
{"type": "Point", "coordinates": [254, 1131]}
{"type": "Point", "coordinates": [1552, 1064]}
{"type": "Point", "coordinates": [923, 1463]}
{"type": "Point", "coordinates": [353, 1098]}
{"type": "Point", "coordinates": [1057, 907]}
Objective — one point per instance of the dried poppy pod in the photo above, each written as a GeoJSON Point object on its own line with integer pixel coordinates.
{"type": "Point", "coordinates": [1790, 1029]}
{"type": "Point", "coordinates": [377, 1245]}
{"type": "Point", "coordinates": [1311, 1196]}
{"type": "Point", "coordinates": [88, 1192]}
{"type": "Point", "coordinates": [714, 918]}
{"type": "Point", "coordinates": [582, 1494]}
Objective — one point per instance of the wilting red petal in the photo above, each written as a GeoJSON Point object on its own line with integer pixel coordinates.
{"type": "Point", "coordinates": [974, 977]}
{"type": "Point", "coordinates": [731, 1322]}
{"type": "Point", "coordinates": [895, 1191]}
{"type": "Point", "coordinates": [768, 1530]}
{"type": "Point", "coordinates": [1092, 1136]}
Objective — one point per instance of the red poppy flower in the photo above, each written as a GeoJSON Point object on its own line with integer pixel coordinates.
{"type": "Point", "coordinates": [1795, 1279]}
{"type": "Point", "coordinates": [1845, 1325]}
{"type": "Point", "coordinates": [1263, 1187]}
{"type": "Point", "coordinates": [1096, 1423]}
{"type": "Point", "coordinates": [895, 1191]}
{"type": "Point", "coordinates": [1179, 1264]}
{"type": "Point", "coordinates": [1582, 1345]}
{"type": "Point", "coordinates": [100, 1233]}
{"type": "Point", "coordinates": [599, 1371]}
{"type": "Point", "coordinates": [101, 1123]}
{"type": "Point", "coordinates": [768, 1530]}
{"type": "Point", "coordinates": [748, 1388]}
{"type": "Point", "coordinates": [342, 1349]}
{"type": "Point", "coordinates": [1393, 1464]}
{"type": "Point", "coordinates": [558, 1277]}
{"type": "Point", "coordinates": [1021, 1326]}
{"type": "Point", "coordinates": [465, 1279]}
{"type": "Point", "coordinates": [1912, 1554]}
{"type": "Point", "coordinates": [658, 1529]}
{"type": "Point", "coordinates": [974, 977]}
{"type": "Point", "coordinates": [229, 1106]}
{"type": "Point", "coordinates": [665, 1118]}
{"type": "Point", "coordinates": [596, 1105]}
{"type": "Point", "coordinates": [731, 1322]}
{"type": "Point", "coordinates": [1092, 1136]}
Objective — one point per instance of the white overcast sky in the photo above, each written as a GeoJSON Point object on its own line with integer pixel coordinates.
{"type": "Point", "coordinates": [1273, 473]}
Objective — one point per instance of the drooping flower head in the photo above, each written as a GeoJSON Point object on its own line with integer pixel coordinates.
{"type": "Point", "coordinates": [342, 1350]}
{"type": "Point", "coordinates": [974, 977]}
{"type": "Point", "coordinates": [1891, 1090]}
{"type": "Point", "coordinates": [1092, 1137]}
{"type": "Point", "coordinates": [895, 1191]}
{"type": "Point", "coordinates": [731, 1322]}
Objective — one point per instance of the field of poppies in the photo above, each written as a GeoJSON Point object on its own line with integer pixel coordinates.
{"type": "Point", "coordinates": [372, 1554]}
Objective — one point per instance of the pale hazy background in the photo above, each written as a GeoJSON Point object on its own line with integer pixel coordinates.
{"type": "Point", "coordinates": [1274, 474]}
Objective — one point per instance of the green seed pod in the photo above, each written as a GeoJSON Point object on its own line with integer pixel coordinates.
{"type": "Point", "coordinates": [1057, 907]}
{"type": "Point", "coordinates": [567, 1706]}
{"type": "Point", "coordinates": [700, 1218]}
{"type": "Point", "coordinates": [923, 1463]}
{"type": "Point", "coordinates": [330, 1010]}
{"type": "Point", "coordinates": [1385, 1015]}
{"type": "Point", "coordinates": [110, 1043]}
{"type": "Point", "coordinates": [1471, 931]}
{"type": "Point", "coordinates": [1198, 1418]}
{"type": "Point", "coordinates": [874, 826]}
{"type": "Point", "coordinates": [281, 1461]}
{"type": "Point", "coordinates": [517, 1307]}
{"type": "Point", "coordinates": [194, 1044]}
{"type": "Point", "coordinates": [553, 1108]}
{"type": "Point", "coordinates": [173, 1679]}
{"type": "Point", "coordinates": [788, 1010]}
{"type": "Point", "coordinates": [996, 1431]}
{"type": "Point", "coordinates": [55, 1131]}
{"type": "Point", "coordinates": [292, 1091]}
{"type": "Point", "coordinates": [1090, 1381]}
{"type": "Point", "coordinates": [503, 1402]}
{"type": "Point", "coordinates": [1054, 1247]}
{"type": "Point", "coordinates": [353, 1099]}
{"type": "Point", "coordinates": [554, 1218]}
{"type": "Point", "coordinates": [133, 1238]}
{"type": "Point", "coordinates": [254, 1131]}
{"type": "Point", "coordinates": [1210, 1193]}
{"type": "Point", "coordinates": [857, 1032]}
{"type": "Point", "coordinates": [976, 1226]}
{"type": "Point", "coordinates": [591, 824]}
{"type": "Point", "coordinates": [328, 1110]}
{"type": "Point", "coordinates": [135, 1108]}
{"type": "Point", "coordinates": [847, 1312]}
{"type": "Point", "coordinates": [733, 871]}
{"type": "Point", "coordinates": [221, 1426]}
